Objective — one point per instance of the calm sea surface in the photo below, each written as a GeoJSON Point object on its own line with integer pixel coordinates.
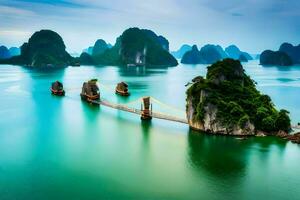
{"type": "Point", "coordinates": [63, 148]}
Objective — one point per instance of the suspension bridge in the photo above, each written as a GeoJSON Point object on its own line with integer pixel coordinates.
{"type": "Point", "coordinates": [126, 108]}
{"type": "Point", "coordinates": [176, 116]}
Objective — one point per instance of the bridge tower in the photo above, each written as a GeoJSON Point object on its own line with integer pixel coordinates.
{"type": "Point", "coordinates": [146, 108]}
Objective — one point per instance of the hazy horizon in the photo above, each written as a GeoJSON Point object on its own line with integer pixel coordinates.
{"type": "Point", "coordinates": [250, 24]}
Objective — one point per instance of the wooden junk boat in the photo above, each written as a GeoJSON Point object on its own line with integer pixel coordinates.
{"type": "Point", "coordinates": [122, 89]}
{"type": "Point", "coordinates": [57, 88]}
{"type": "Point", "coordinates": [90, 91]}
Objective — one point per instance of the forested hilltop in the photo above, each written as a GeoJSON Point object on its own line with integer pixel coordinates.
{"type": "Point", "coordinates": [136, 47]}
{"type": "Point", "coordinates": [227, 102]}
{"type": "Point", "coordinates": [44, 48]}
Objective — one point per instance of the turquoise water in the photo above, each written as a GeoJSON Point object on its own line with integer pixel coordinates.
{"type": "Point", "coordinates": [62, 148]}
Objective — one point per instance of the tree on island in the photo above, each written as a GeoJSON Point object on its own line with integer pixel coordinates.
{"type": "Point", "coordinates": [227, 102]}
{"type": "Point", "coordinates": [138, 46]}
{"type": "Point", "coordinates": [44, 48]}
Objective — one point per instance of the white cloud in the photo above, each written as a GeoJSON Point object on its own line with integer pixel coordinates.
{"type": "Point", "coordinates": [260, 25]}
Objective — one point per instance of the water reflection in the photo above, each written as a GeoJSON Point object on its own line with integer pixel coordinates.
{"type": "Point", "coordinates": [141, 71]}
{"type": "Point", "coordinates": [279, 68]}
{"type": "Point", "coordinates": [146, 129]}
{"type": "Point", "coordinates": [227, 157]}
{"type": "Point", "coordinates": [220, 156]}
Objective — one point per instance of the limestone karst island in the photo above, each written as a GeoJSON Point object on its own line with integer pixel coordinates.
{"type": "Point", "coordinates": [149, 100]}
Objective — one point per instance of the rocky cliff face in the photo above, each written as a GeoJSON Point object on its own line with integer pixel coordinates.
{"type": "Point", "coordinates": [227, 102]}
{"type": "Point", "coordinates": [211, 124]}
{"type": "Point", "coordinates": [138, 46]}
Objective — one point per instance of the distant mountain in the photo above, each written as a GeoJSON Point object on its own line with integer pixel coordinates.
{"type": "Point", "coordinates": [99, 47]}
{"type": "Point", "coordinates": [285, 56]}
{"type": "Point", "coordinates": [221, 51]}
{"type": "Point", "coordinates": [211, 54]}
{"type": "Point", "coordinates": [192, 56]}
{"type": "Point", "coordinates": [86, 59]}
{"type": "Point", "coordinates": [255, 56]}
{"type": "Point", "coordinates": [138, 47]}
{"type": "Point", "coordinates": [292, 51]}
{"type": "Point", "coordinates": [44, 48]}
{"type": "Point", "coordinates": [243, 58]}
{"type": "Point", "coordinates": [88, 50]}
{"type": "Point", "coordinates": [208, 54]}
{"type": "Point", "coordinates": [14, 51]}
{"type": "Point", "coordinates": [234, 52]}
{"type": "Point", "coordinates": [159, 39]}
{"type": "Point", "coordinates": [4, 52]}
{"type": "Point", "coordinates": [181, 51]}
{"type": "Point", "coordinates": [279, 58]}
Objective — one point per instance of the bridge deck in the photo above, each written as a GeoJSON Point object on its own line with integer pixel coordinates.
{"type": "Point", "coordinates": [139, 112]}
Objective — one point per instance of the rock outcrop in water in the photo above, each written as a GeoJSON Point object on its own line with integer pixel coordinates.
{"type": "Point", "coordinates": [192, 56]}
{"type": "Point", "coordinates": [235, 53]}
{"type": "Point", "coordinates": [227, 102]}
{"type": "Point", "coordinates": [292, 51]}
{"type": "Point", "coordinates": [208, 54]}
{"type": "Point", "coordinates": [211, 53]}
{"type": "Point", "coordinates": [44, 48]}
{"type": "Point", "coordinates": [286, 55]}
{"type": "Point", "coordinates": [138, 47]}
{"type": "Point", "coordinates": [279, 58]}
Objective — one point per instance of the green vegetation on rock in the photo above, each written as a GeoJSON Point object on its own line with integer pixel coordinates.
{"type": "Point", "coordinates": [233, 95]}
{"type": "Point", "coordinates": [138, 46]}
{"type": "Point", "coordinates": [44, 48]}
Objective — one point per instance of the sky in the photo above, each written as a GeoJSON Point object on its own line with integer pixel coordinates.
{"type": "Point", "coordinates": [253, 25]}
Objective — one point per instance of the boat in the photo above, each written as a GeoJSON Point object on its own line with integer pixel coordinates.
{"type": "Point", "coordinates": [90, 91]}
{"type": "Point", "coordinates": [76, 64]}
{"type": "Point", "coordinates": [122, 89]}
{"type": "Point", "coordinates": [57, 88]}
